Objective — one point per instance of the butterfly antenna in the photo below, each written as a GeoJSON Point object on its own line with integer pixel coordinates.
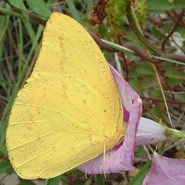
{"type": "Point", "coordinates": [104, 160]}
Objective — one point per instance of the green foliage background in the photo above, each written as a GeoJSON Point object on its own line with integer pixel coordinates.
{"type": "Point", "coordinates": [20, 36]}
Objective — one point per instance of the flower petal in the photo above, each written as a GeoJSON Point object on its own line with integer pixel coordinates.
{"type": "Point", "coordinates": [150, 132]}
{"type": "Point", "coordinates": [120, 158]}
{"type": "Point", "coordinates": [166, 171]}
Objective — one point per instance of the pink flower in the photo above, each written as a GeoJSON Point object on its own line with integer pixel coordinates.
{"type": "Point", "coordinates": [166, 171]}
{"type": "Point", "coordinates": [150, 132]}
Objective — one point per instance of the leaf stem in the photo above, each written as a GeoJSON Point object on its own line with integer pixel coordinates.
{"type": "Point", "coordinates": [6, 11]}
{"type": "Point", "coordinates": [129, 51]}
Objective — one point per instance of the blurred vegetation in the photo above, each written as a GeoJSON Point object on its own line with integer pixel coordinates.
{"type": "Point", "coordinates": [146, 39]}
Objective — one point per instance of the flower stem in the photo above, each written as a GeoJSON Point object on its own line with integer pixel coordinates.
{"type": "Point", "coordinates": [174, 135]}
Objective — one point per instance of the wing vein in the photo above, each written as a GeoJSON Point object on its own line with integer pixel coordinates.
{"type": "Point", "coordinates": [31, 141]}
{"type": "Point", "coordinates": [46, 151]}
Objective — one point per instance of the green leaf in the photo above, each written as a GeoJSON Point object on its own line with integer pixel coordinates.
{"type": "Point", "coordinates": [157, 33]}
{"type": "Point", "coordinates": [138, 179]}
{"type": "Point", "coordinates": [175, 74]}
{"type": "Point", "coordinates": [39, 7]}
{"type": "Point", "coordinates": [25, 182]}
{"type": "Point", "coordinates": [173, 82]}
{"type": "Point", "coordinates": [2, 138]}
{"type": "Point", "coordinates": [89, 6]}
{"type": "Point", "coordinates": [54, 181]}
{"type": "Point", "coordinates": [157, 113]}
{"type": "Point", "coordinates": [181, 96]}
{"type": "Point", "coordinates": [18, 4]}
{"type": "Point", "coordinates": [135, 84]}
{"type": "Point", "coordinates": [181, 31]}
{"type": "Point", "coordinates": [147, 82]}
{"type": "Point", "coordinates": [5, 167]}
{"type": "Point", "coordinates": [100, 179]}
{"type": "Point", "coordinates": [139, 151]}
{"type": "Point", "coordinates": [133, 39]}
{"type": "Point", "coordinates": [73, 10]}
{"type": "Point", "coordinates": [133, 74]}
{"type": "Point", "coordinates": [4, 20]}
{"type": "Point", "coordinates": [156, 93]}
{"type": "Point", "coordinates": [30, 30]}
{"type": "Point", "coordinates": [179, 4]}
{"type": "Point", "coordinates": [165, 5]}
{"type": "Point", "coordinates": [145, 69]}
{"type": "Point", "coordinates": [88, 182]}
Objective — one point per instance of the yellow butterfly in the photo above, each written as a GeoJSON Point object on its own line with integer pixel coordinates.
{"type": "Point", "coordinates": [69, 111]}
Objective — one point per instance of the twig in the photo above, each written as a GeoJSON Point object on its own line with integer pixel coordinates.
{"type": "Point", "coordinates": [174, 57]}
{"type": "Point", "coordinates": [162, 101]}
{"type": "Point", "coordinates": [17, 13]}
{"type": "Point", "coordinates": [177, 45]}
{"type": "Point", "coordinates": [172, 31]}
{"type": "Point", "coordinates": [143, 55]}
{"type": "Point", "coordinates": [32, 16]}
{"type": "Point", "coordinates": [182, 24]}
{"type": "Point", "coordinates": [101, 43]}
{"type": "Point", "coordinates": [37, 19]}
